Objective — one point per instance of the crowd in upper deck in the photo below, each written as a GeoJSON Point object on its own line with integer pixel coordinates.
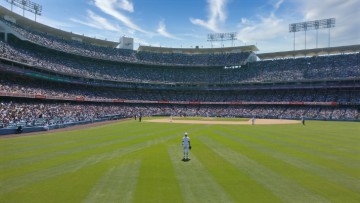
{"type": "Point", "coordinates": [123, 55]}
{"type": "Point", "coordinates": [344, 66]}
{"type": "Point", "coordinates": [12, 84]}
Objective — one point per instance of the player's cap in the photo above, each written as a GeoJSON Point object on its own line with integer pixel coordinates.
{"type": "Point", "coordinates": [185, 133]}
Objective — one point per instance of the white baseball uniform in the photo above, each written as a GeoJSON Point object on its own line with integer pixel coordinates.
{"type": "Point", "coordinates": [186, 145]}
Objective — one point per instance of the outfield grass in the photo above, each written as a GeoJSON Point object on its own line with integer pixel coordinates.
{"type": "Point", "coordinates": [141, 162]}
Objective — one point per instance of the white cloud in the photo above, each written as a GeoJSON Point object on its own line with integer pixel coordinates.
{"type": "Point", "coordinates": [264, 28]}
{"type": "Point", "coordinates": [162, 31]}
{"type": "Point", "coordinates": [110, 7]}
{"type": "Point", "coordinates": [97, 22]}
{"type": "Point", "coordinates": [217, 13]}
{"type": "Point", "coordinates": [347, 16]}
{"type": "Point", "coordinates": [126, 5]}
{"type": "Point", "coordinates": [270, 31]}
{"type": "Point", "coordinates": [278, 4]}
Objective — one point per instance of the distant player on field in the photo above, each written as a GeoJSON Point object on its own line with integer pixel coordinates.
{"type": "Point", "coordinates": [303, 120]}
{"type": "Point", "coordinates": [186, 145]}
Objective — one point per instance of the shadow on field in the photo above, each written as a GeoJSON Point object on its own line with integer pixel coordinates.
{"type": "Point", "coordinates": [185, 160]}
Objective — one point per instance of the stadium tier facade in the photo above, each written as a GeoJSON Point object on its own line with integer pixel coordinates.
{"type": "Point", "coordinates": [53, 78]}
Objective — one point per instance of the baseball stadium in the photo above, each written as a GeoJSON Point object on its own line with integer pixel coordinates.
{"type": "Point", "coordinates": [83, 121]}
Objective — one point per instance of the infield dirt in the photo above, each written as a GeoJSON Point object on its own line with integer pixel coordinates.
{"type": "Point", "coordinates": [257, 121]}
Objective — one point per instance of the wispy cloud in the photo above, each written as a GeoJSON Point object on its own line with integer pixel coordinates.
{"type": "Point", "coordinates": [217, 13]}
{"type": "Point", "coordinates": [346, 13]}
{"type": "Point", "coordinates": [271, 24]}
{"type": "Point", "coordinates": [264, 28]}
{"type": "Point", "coordinates": [163, 32]}
{"type": "Point", "coordinates": [271, 29]}
{"type": "Point", "coordinates": [96, 21]}
{"type": "Point", "coordinates": [253, 31]}
{"type": "Point", "coordinates": [110, 7]}
{"type": "Point", "coordinates": [126, 5]}
{"type": "Point", "coordinates": [278, 4]}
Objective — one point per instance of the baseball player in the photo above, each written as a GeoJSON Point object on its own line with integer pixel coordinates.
{"type": "Point", "coordinates": [186, 145]}
{"type": "Point", "coordinates": [303, 120]}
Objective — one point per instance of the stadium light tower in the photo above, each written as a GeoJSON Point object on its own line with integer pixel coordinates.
{"type": "Point", "coordinates": [312, 25]}
{"type": "Point", "coordinates": [222, 37]}
{"type": "Point", "coordinates": [26, 5]}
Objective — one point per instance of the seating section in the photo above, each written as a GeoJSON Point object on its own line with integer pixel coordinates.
{"type": "Point", "coordinates": [314, 68]}
{"type": "Point", "coordinates": [51, 54]}
{"type": "Point", "coordinates": [123, 55]}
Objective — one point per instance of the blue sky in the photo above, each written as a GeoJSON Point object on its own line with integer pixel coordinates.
{"type": "Point", "coordinates": [186, 23]}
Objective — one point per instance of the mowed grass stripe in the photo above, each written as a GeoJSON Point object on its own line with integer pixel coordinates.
{"type": "Point", "coordinates": [13, 160]}
{"type": "Point", "coordinates": [325, 159]}
{"type": "Point", "coordinates": [324, 156]}
{"type": "Point", "coordinates": [334, 130]}
{"type": "Point", "coordinates": [213, 148]}
{"type": "Point", "coordinates": [68, 155]}
{"type": "Point", "coordinates": [282, 187]}
{"type": "Point", "coordinates": [25, 142]}
{"type": "Point", "coordinates": [85, 149]}
{"type": "Point", "coordinates": [299, 141]}
{"type": "Point", "coordinates": [195, 181]}
{"type": "Point", "coordinates": [66, 138]}
{"type": "Point", "coordinates": [71, 163]}
{"type": "Point", "coordinates": [72, 186]}
{"type": "Point", "coordinates": [235, 182]}
{"type": "Point", "coordinates": [116, 185]}
{"type": "Point", "coordinates": [324, 180]}
{"type": "Point", "coordinates": [157, 180]}
{"type": "Point", "coordinates": [307, 136]}
{"type": "Point", "coordinates": [314, 136]}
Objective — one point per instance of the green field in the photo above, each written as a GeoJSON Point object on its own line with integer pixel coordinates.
{"type": "Point", "coordinates": [141, 162]}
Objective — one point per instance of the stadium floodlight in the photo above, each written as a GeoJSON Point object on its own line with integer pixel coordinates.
{"type": "Point", "coordinates": [312, 25]}
{"type": "Point", "coordinates": [222, 37]}
{"type": "Point", "coordinates": [26, 5]}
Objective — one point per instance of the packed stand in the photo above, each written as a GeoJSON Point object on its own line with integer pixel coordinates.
{"type": "Point", "coordinates": [55, 113]}
{"type": "Point", "coordinates": [219, 59]}
{"type": "Point", "coordinates": [123, 55]}
{"type": "Point", "coordinates": [73, 46]}
{"type": "Point", "coordinates": [314, 68]}
{"type": "Point", "coordinates": [14, 84]}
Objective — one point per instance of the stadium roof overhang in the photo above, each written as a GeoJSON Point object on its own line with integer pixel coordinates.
{"type": "Point", "coordinates": [310, 52]}
{"type": "Point", "coordinates": [197, 50]}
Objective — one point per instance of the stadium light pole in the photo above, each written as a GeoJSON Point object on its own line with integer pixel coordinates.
{"type": "Point", "coordinates": [294, 41]}
{"type": "Point", "coordinates": [222, 37]}
{"type": "Point", "coordinates": [312, 25]}
{"type": "Point", "coordinates": [329, 24]}
{"type": "Point", "coordinates": [12, 2]}
{"type": "Point", "coordinates": [305, 29]}
{"type": "Point", "coordinates": [24, 2]}
{"type": "Point", "coordinates": [26, 5]}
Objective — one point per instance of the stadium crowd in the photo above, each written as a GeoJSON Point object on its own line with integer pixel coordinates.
{"type": "Point", "coordinates": [123, 55]}
{"type": "Point", "coordinates": [88, 62]}
{"type": "Point", "coordinates": [40, 113]}
{"type": "Point", "coordinates": [35, 113]}
{"type": "Point", "coordinates": [313, 68]}
{"type": "Point", "coordinates": [14, 84]}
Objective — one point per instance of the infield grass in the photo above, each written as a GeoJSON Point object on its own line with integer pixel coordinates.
{"type": "Point", "coordinates": [141, 162]}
